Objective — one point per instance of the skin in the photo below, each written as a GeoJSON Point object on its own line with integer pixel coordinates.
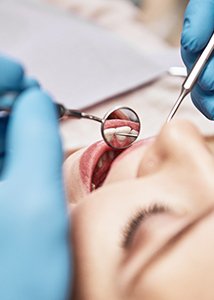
{"type": "Point", "coordinates": [175, 169]}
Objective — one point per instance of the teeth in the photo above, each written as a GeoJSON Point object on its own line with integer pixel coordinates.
{"type": "Point", "coordinates": [100, 163]}
{"type": "Point", "coordinates": [134, 132]}
{"type": "Point", "coordinates": [109, 133]}
{"type": "Point", "coordinates": [121, 138]}
{"type": "Point", "coordinates": [107, 156]}
{"type": "Point", "coordinates": [102, 159]}
{"type": "Point", "coordinates": [122, 129]}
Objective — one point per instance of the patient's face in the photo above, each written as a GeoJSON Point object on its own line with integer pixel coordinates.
{"type": "Point", "coordinates": [135, 235]}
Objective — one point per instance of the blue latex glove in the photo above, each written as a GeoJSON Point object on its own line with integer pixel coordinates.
{"type": "Point", "coordinates": [12, 82]}
{"type": "Point", "coordinates": [12, 76]}
{"type": "Point", "coordinates": [34, 243]}
{"type": "Point", "coordinates": [198, 28]}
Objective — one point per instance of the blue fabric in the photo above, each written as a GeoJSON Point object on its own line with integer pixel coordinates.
{"type": "Point", "coordinates": [35, 256]}
{"type": "Point", "coordinates": [197, 30]}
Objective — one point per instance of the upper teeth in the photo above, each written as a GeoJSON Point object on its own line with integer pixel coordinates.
{"type": "Point", "coordinates": [109, 156]}
{"type": "Point", "coordinates": [100, 163]}
{"type": "Point", "coordinates": [111, 132]}
{"type": "Point", "coordinates": [134, 132]}
{"type": "Point", "coordinates": [104, 157]}
{"type": "Point", "coordinates": [101, 160]}
{"type": "Point", "coordinates": [123, 129]}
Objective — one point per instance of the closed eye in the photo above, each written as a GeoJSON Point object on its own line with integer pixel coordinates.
{"type": "Point", "coordinates": [136, 220]}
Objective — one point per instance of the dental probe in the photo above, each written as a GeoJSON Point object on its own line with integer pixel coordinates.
{"type": "Point", "coordinates": [192, 77]}
{"type": "Point", "coordinates": [126, 134]}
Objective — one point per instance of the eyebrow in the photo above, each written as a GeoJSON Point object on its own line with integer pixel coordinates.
{"type": "Point", "coordinates": [172, 241]}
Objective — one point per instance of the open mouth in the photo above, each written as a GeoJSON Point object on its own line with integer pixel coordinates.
{"type": "Point", "coordinates": [95, 164]}
{"type": "Point", "coordinates": [96, 161]}
{"type": "Point", "coordinates": [102, 168]}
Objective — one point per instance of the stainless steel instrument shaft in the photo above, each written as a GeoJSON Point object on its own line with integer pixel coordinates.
{"type": "Point", "coordinates": [192, 77]}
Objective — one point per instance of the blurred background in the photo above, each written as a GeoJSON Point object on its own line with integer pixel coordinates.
{"type": "Point", "coordinates": [95, 54]}
{"type": "Point", "coordinates": [163, 17]}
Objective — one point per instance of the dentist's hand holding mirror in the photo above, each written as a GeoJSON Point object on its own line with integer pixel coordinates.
{"type": "Point", "coordinates": [34, 229]}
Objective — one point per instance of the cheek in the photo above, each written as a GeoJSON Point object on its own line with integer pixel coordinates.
{"type": "Point", "coordinates": [155, 158]}
{"type": "Point", "coordinates": [149, 165]}
{"type": "Point", "coordinates": [185, 271]}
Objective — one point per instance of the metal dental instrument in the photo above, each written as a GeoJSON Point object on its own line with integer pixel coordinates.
{"type": "Point", "coordinates": [192, 77]}
{"type": "Point", "coordinates": [120, 121]}
{"type": "Point", "coordinates": [119, 117]}
{"type": "Point", "coordinates": [127, 134]}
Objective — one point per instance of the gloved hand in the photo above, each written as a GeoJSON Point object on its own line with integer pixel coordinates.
{"type": "Point", "coordinates": [12, 82]}
{"type": "Point", "coordinates": [198, 28]}
{"type": "Point", "coordinates": [34, 243]}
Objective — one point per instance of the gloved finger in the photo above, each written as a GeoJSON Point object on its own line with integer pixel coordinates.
{"type": "Point", "coordinates": [206, 79]}
{"type": "Point", "coordinates": [7, 100]}
{"type": "Point", "coordinates": [29, 82]}
{"type": "Point", "coordinates": [11, 75]}
{"type": "Point", "coordinates": [198, 25]}
{"type": "Point", "coordinates": [204, 101]}
{"type": "Point", "coordinates": [34, 144]}
{"type": "Point", "coordinates": [189, 58]}
{"type": "Point", "coordinates": [3, 130]}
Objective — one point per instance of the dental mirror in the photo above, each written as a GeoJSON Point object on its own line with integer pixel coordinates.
{"type": "Point", "coordinates": [120, 127]}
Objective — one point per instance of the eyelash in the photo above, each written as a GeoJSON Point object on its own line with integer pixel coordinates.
{"type": "Point", "coordinates": [141, 215]}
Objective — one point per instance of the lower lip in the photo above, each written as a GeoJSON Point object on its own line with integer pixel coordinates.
{"type": "Point", "coordinates": [89, 160]}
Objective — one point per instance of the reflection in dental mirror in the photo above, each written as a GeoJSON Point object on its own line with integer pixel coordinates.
{"type": "Point", "coordinates": [120, 127]}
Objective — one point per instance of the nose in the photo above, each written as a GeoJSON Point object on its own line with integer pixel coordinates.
{"type": "Point", "coordinates": [179, 142]}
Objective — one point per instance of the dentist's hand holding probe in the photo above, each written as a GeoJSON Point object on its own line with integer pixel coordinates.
{"type": "Point", "coordinates": [198, 29]}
